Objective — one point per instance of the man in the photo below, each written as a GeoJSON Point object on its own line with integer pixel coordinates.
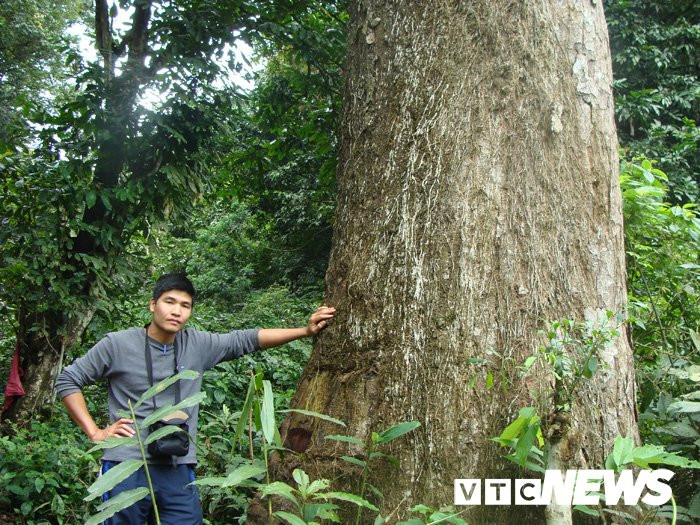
{"type": "Point", "coordinates": [120, 357]}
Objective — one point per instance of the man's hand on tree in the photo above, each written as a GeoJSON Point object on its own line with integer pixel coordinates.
{"type": "Point", "coordinates": [118, 428]}
{"type": "Point", "coordinates": [319, 320]}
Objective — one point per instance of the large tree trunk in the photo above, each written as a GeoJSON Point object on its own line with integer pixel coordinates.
{"type": "Point", "coordinates": [478, 196]}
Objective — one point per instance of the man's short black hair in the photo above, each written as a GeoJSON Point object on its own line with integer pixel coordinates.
{"type": "Point", "coordinates": [173, 281]}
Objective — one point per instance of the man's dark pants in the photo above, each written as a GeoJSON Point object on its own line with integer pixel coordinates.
{"type": "Point", "coordinates": [178, 503]}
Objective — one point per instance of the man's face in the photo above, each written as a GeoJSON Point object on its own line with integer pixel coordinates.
{"type": "Point", "coordinates": [172, 310]}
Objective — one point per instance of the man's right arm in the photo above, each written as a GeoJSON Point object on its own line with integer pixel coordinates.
{"type": "Point", "coordinates": [91, 367]}
{"type": "Point", "coordinates": [75, 404]}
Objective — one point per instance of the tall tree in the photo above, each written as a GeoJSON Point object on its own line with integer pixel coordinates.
{"type": "Point", "coordinates": [478, 195]}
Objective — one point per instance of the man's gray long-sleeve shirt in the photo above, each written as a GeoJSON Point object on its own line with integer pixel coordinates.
{"type": "Point", "coordinates": [120, 358]}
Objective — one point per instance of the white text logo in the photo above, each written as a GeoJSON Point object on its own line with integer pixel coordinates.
{"type": "Point", "coordinates": [576, 487]}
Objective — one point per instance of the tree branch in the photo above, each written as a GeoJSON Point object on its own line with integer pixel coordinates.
{"type": "Point", "coordinates": [103, 35]}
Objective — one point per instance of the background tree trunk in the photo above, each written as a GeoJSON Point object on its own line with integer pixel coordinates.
{"type": "Point", "coordinates": [41, 339]}
{"type": "Point", "coordinates": [478, 196]}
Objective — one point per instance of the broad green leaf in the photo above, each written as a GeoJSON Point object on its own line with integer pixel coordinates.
{"type": "Point", "coordinates": [132, 496]}
{"type": "Point", "coordinates": [242, 473]}
{"type": "Point", "coordinates": [113, 477]}
{"type": "Point", "coordinates": [680, 429]}
{"type": "Point", "coordinates": [489, 380]}
{"type": "Point", "coordinates": [348, 439]}
{"type": "Point", "coordinates": [522, 449]}
{"type": "Point", "coordinates": [215, 481]}
{"type": "Point", "coordinates": [267, 413]}
{"type": "Point", "coordinates": [113, 442]}
{"type": "Point", "coordinates": [587, 510]}
{"type": "Point", "coordinates": [160, 387]}
{"type": "Point", "coordinates": [527, 412]}
{"type": "Point", "coordinates": [116, 504]}
{"type": "Point", "coordinates": [513, 430]}
{"type": "Point", "coordinates": [311, 511]}
{"type": "Point", "coordinates": [316, 485]}
{"type": "Point", "coordinates": [354, 461]}
{"type": "Point", "coordinates": [315, 414]}
{"type": "Point", "coordinates": [398, 430]}
{"type": "Point", "coordinates": [278, 445]}
{"type": "Point", "coordinates": [376, 491]}
{"type": "Point", "coordinates": [278, 488]}
{"type": "Point", "coordinates": [529, 465]}
{"type": "Point", "coordinates": [645, 455]}
{"type": "Point", "coordinates": [350, 498]}
{"type": "Point", "coordinates": [684, 407]}
{"type": "Point", "coordinates": [694, 373]}
{"type": "Point", "coordinates": [162, 432]}
{"type": "Point", "coordinates": [423, 509]}
{"type": "Point", "coordinates": [665, 398]}
{"type": "Point", "coordinates": [168, 409]}
{"type": "Point", "coordinates": [622, 449]}
{"type": "Point", "coordinates": [325, 511]}
{"type": "Point", "coordinates": [301, 477]}
{"type": "Point", "coordinates": [90, 199]}
{"type": "Point", "coordinates": [289, 518]}
{"type": "Point", "coordinates": [440, 517]}
{"type": "Point", "coordinates": [695, 336]}
{"type": "Point", "coordinates": [245, 412]}
{"type": "Point", "coordinates": [590, 367]}
{"type": "Point", "coordinates": [39, 484]}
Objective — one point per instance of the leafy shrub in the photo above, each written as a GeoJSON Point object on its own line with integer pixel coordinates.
{"type": "Point", "coordinates": [44, 472]}
{"type": "Point", "coordinates": [663, 243]}
{"type": "Point", "coordinates": [663, 247]}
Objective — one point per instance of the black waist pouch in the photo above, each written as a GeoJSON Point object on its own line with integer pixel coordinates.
{"type": "Point", "coordinates": [174, 444]}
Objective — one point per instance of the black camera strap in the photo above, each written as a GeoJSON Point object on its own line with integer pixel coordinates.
{"type": "Point", "coordinates": [149, 367]}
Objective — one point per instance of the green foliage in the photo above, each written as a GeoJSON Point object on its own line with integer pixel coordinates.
{"type": "Point", "coordinates": [41, 472]}
{"type": "Point", "coordinates": [366, 454]}
{"type": "Point", "coordinates": [625, 453]}
{"type": "Point", "coordinates": [663, 242]}
{"type": "Point", "coordinates": [524, 436]}
{"type": "Point", "coordinates": [259, 417]}
{"type": "Point", "coordinates": [281, 154]}
{"type": "Point", "coordinates": [228, 382]}
{"type": "Point", "coordinates": [33, 42]}
{"type": "Point", "coordinates": [307, 499]}
{"type": "Point", "coordinates": [572, 354]}
{"type": "Point", "coordinates": [657, 90]}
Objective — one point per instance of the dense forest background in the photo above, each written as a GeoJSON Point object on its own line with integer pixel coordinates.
{"type": "Point", "coordinates": [235, 186]}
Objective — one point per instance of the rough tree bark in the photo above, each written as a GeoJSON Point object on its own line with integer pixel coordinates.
{"type": "Point", "coordinates": [41, 343]}
{"type": "Point", "coordinates": [478, 196]}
